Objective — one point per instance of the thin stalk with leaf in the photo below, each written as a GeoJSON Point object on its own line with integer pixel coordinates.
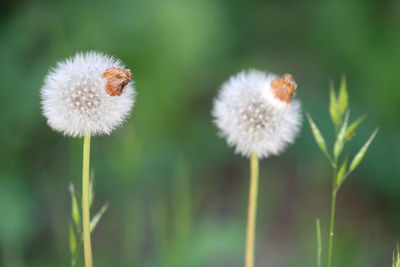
{"type": "Point", "coordinates": [75, 227]}
{"type": "Point", "coordinates": [341, 169]}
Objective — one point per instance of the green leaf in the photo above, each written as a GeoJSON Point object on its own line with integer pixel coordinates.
{"type": "Point", "coordinates": [341, 175]}
{"type": "Point", "coordinates": [339, 143]}
{"type": "Point", "coordinates": [95, 220]}
{"type": "Point", "coordinates": [350, 132]}
{"type": "Point", "coordinates": [75, 213]}
{"type": "Point", "coordinates": [360, 155]}
{"type": "Point", "coordinates": [72, 241]}
{"type": "Point", "coordinates": [343, 98]}
{"type": "Point", "coordinates": [333, 109]}
{"type": "Point", "coordinates": [319, 252]}
{"type": "Point", "coordinates": [318, 136]}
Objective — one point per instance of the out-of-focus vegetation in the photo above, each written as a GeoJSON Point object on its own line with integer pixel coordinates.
{"type": "Point", "coordinates": [396, 258]}
{"type": "Point", "coordinates": [177, 193]}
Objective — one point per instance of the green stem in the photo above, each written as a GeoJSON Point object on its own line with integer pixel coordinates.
{"type": "Point", "coordinates": [319, 243]}
{"type": "Point", "coordinates": [332, 220]}
{"type": "Point", "coordinates": [85, 202]}
{"type": "Point", "coordinates": [252, 212]}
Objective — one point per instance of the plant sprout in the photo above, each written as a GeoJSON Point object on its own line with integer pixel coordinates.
{"type": "Point", "coordinates": [341, 166]}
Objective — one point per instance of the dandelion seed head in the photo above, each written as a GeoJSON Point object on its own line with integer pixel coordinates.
{"type": "Point", "coordinates": [255, 112]}
{"type": "Point", "coordinates": [76, 98]}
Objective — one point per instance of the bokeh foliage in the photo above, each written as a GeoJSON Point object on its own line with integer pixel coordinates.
{"type": "Point", "coordinates": [177, 193]}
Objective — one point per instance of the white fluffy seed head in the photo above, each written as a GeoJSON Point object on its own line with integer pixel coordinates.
{"type": "Point", "coordinates": [74, 97]}
{"type": "Point", "coordinates": [252, 118]}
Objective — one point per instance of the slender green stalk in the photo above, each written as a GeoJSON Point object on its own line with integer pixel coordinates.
{"type": "Point", "coordinates": [331, 229]}
{"type": "Point", "coordinates": [319, 243]}
{"type": "Point", "coordinates": [252, 211]}
{"type": "Point", "coordinates": [85, 202]}
{"type": "Point", "coordinates": [332, 220]}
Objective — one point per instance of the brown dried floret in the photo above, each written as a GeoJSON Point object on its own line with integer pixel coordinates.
{"type": "Point", "coordinates": [117, 79]}
{"type": "Point", "coordinates": [284, 87]}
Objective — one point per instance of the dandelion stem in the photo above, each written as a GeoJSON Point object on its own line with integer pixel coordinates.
{"type": "Point", "coordinates": [332, 220]}
{"type": "Point", "coordinates": [252, 211]}
{"type": "Point", "coordinates": [85, 202]}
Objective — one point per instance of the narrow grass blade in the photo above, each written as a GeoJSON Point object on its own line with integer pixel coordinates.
{"type": "Point", "coordinates": [350, 132]}
{"type": "Point", "coordinates": [339, 143]}
{"type": "Point", "coordinates": [76, 214]}
{"type": "Point", "coordinates": [72, 241]}
{"type": "Point", "coordinates": [341, 175]}
{"type": "Point", "coordinates": [360, 155]}
{"type": "Point", "coordinates": [343, 98]}
{"type": "Point", "coordinates": [318, 137]}
{"type": "Point", "coordinates": [95, 220]}
{"type": "Point", "coordinates": [333, 108]}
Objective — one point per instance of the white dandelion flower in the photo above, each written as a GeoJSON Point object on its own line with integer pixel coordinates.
{"type": "Point", "coordinates": [255, 112]}
{"type": "Point", "coordinates": [88, 94]}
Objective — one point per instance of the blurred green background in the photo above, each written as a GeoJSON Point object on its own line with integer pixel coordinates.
{"type": "Point", "coordinates": [177, 192]}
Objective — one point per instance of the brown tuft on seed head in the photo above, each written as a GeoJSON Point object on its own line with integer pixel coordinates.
{"type": "Point", "coordinates": [117, 79]}
{"type": "Point", "coordinates": [284, 87]}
